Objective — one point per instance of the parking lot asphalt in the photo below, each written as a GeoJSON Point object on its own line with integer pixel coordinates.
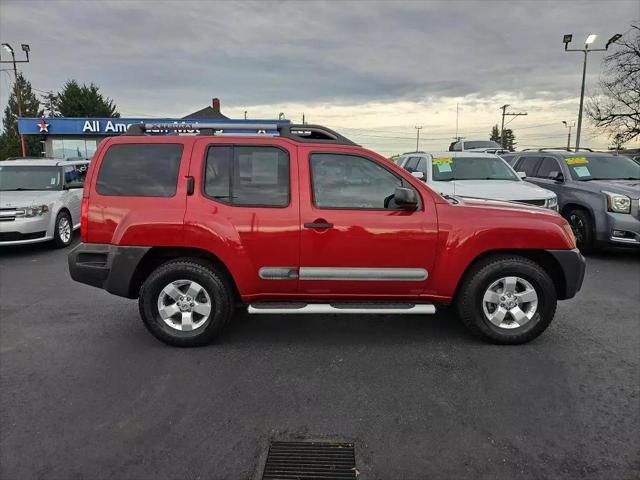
{"type": "Point", "coordinates": [87, 393]}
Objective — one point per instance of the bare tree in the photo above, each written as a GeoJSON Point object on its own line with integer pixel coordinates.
{"type": "Point", "coordinates": [617, 108]}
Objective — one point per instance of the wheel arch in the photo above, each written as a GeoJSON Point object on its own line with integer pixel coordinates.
{"type": "Point", "coordinates": [156, 256]}
{"type": "Point", "coordinates": [540, 257]}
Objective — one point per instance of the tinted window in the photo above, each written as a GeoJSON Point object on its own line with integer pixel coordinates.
{"type": "Point", "coordinates": [481, 144]}
{"type": "Point", "coordinates": [74, 175]}
{"type": "Point", "coordinates": [248, 175]}
{"type": "Point", "coordinates": [142, 170]}
{"type": "Point", "coordinates": [527, 165]}
{"type": "Point", "coordinates": [422, 165]}
{"type": "Point", "coordinates": [29, 178]}
{"type": "Point", "coordinates": [348, 181]}
{"type": "Point", "coordinates": [547, 166]}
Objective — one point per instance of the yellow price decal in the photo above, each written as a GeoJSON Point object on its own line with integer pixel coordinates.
{"type": "Point", "coordinates": [577, 161]}
{"type": "Point", "coordinates": [441, 160]}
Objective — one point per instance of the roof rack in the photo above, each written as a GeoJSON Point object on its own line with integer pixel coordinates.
{"type": "Point", "coordinates": [299, 133]}
{"type": "Point", "coordinates": [565, 149]}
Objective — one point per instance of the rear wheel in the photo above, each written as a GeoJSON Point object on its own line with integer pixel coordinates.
{"type": "Point", "coordinates": [185, 303]}
{"type": "Point", "coordinates": [507, 300]}
{"type": "Point", "coordinates": [582, 226]}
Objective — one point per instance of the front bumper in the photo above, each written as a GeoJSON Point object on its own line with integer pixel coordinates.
{"type": "Point", "coordinates": [573, 266]}
{"type": "Point", "coordinates": [106, 266]}
{"type": "Point", "coordinates": [24, 230]}
{"type": "Point", "coordinates": [622, 229]}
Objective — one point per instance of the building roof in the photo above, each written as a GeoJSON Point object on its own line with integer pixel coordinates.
{"type": "Point", "coordinates": [212, 112]}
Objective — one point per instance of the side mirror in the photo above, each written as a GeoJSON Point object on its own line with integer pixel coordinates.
{"type": "Point", "coordinates": [555, 175]}
{"type": "Point", "coordinates": [522, 175]}
{"type": "Point", "coordinates": [406, 198]}
{"type": "Point", "coordinates": [418, 175]}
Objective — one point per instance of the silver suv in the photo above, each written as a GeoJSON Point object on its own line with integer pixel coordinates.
{"type": "Point", "coordinates": [40, 200]}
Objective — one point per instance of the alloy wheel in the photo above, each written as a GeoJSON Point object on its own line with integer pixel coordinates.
{"type": "Point", "coordinates": [510, 302]}
{"type": "Point", "coordinates": [64, 229]}
{"type": "Point", "coordinates": [184, 305]}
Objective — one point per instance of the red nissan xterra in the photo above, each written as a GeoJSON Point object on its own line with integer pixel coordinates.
{"type": "Point", "coordinates": [299, 219]}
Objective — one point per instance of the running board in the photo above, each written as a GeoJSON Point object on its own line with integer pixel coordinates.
{"type": "Point", "coordinates": [342, 308]}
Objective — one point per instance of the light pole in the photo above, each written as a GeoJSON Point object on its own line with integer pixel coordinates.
{"type": "Point", "coordinates": [570, 124]}
{"type": "Point", "coordinates": [13, 60]}
{"type": "Point", "coordinates": [418, 137]}
{"type": "Point", "coordinates": [590, 39]}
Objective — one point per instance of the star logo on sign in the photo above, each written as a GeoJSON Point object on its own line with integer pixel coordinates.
{"type": "Point", "coordinates": [44, 126]}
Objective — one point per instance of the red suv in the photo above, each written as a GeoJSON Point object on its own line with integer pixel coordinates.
{"type": "Point", "coordinates": [303, 220]}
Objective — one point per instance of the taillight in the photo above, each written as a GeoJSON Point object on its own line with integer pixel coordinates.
{"type": "Point", "coordinates": [84, 220]}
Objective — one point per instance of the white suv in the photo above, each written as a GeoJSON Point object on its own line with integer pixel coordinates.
{"type": "Point", "coordinates": [40, 200]}
{"type": "Point", "coordinates": [477, 175]}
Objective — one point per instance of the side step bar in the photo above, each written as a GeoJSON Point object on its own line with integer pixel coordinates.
{"type": "Point", "coordinates": [342, 308]}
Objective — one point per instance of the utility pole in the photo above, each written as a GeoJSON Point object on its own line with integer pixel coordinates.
{"type": "Point", "coordinates": [418, 137]}
{"type": "Point", "coordinates": [25, 49]}
{"type": "Point", "coordinates": [245, 114]}
{"type": "Point", "coordinates": [457, 113]}
{"type": "Point", "coordinates": [590, 39]}
{"type": "Point", "coordinates": [570, 124]}
{"type": "Point", "coordinates": [507, 114]}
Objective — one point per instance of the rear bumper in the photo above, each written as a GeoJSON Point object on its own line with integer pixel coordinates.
{"type": "Point", "coordinates": [106, 266]}
{"type": "Point", "coordinates": [573, 266]}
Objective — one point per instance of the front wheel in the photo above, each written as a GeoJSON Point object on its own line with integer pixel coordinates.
{"type": "Point", "coordinates": [185, 303]}
{"type": "Point", "coordinates": [507, 300]}
{"type": "Point", "coordinates": [63, 230]}
{"type": "Point", "coordinates": [582, 227]}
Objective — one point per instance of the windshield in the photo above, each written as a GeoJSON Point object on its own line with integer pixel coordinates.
{"type": "Point", "coordinates": [29, 178]}
{"type": "Point", "coordinates": [602, 167]}
{"type": "Point", "coordinates": [471, 168]}
{"type": "Point", "coordinates": [481, 144]}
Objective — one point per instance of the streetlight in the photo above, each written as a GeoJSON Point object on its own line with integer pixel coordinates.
{"type": "Point", "coordinates": [418, 137]}
{"type": "Point", "coordinates": [590, 39]}
{"type": "Point", "coordinates": [26, 50]}
{"type": "Point", "coordinates": [570, 124]}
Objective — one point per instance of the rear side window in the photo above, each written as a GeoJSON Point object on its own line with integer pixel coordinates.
{"type": "Point", "coordinates": [74, 175]}
{"type": "Point", "coordinates": [140, 170]}
{"type": "Point", "coordinates": [547, 166]}
{"type": "Point", "coordinates": [527, 165]}
{"type": "Point", "coordinates": [247, 175]}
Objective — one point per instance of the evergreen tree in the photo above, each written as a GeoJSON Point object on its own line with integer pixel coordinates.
{"type": "Point", "coordinates": [495, 134]}
{"type": "Point", "coordinates": [10, 139]}
{"type": "Point", "coordinates": [82, 101]}
{"type": "Point", "coordinates": [509, 140]}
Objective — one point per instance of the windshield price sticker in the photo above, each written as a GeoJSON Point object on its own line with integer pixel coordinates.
{"type": "Point", "coordinates": [582, 171]}
{"type": "Point", "coordinates": [444, 167]}
{"type": "Point", "coordinates": [441, 160]}
{"type": "Point", "coordinates": [577, 161]}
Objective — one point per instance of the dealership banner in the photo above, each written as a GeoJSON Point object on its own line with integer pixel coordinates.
{"type": "Point", "coordinates": [116, 126]}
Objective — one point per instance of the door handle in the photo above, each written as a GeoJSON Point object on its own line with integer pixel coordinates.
{"type": "Point", "coordinates": [318, 225]}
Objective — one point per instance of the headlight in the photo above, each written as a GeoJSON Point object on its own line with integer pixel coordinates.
{"type": "Point", "coordinates": [618, 203]}
{"type": "Point", "coordinates": [552, 202]}
{"type": "Point", "coordinates": [35, 211]}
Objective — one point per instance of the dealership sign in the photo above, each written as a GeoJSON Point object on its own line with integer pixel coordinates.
{"type": "Point", "coordinates": [117, 126]}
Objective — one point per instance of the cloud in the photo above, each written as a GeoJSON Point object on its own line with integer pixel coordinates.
{"type": "Point", "coordinates": [167, 58]}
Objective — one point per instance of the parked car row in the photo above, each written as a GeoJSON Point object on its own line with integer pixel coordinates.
{"type": "Point", "coordinates": [597, 192]}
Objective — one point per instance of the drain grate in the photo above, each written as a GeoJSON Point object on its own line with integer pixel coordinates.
{"type": "Point", "coordinates": [310, 461]}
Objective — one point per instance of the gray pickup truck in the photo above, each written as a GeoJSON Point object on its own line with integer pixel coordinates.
{"type": "Point", "coordinates": [597, 193]}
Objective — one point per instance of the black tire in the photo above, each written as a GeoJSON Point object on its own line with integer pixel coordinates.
{"type": "Point", "coordinates": [216, 287]}
{"type": "Point", "coordinates": [59, 239]}
{"type": "Point", "coordinates": [582, 226]}
{"type": "Point", "coordinates": [469, 300]}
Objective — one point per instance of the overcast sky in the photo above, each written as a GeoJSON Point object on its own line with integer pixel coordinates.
{"type": "Point", "coordinates": [372, 70]}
